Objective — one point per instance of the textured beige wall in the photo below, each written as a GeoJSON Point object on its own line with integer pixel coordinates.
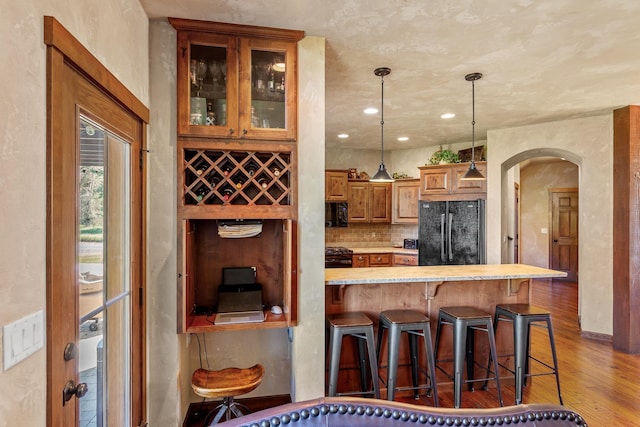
{"type": "Point", "coordinates": [535, 182]}
{"type": "Point", "coordinates": [587, 142]}
{"type": "Point", "coordinates": [116, 32]}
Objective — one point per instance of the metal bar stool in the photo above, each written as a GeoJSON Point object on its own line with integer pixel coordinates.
{"type": "Point", "coordinates": [465, 321]}
{"type": "Point", "coordinates": [523, 316]}
{"type": "Point", "coordinates": [358, 325]}
{"type": "Point", "coordinates": [226, 383]}
{"type": "Point", "coordinates": [414, 324]}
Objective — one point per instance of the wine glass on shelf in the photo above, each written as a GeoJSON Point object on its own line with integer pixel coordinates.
{"type": "Point", "coordinates": [214, 71]}
{"type": "Point", "coordinates": [201, 72]}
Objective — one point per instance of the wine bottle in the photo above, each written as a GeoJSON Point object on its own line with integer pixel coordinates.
{"type": "Point", "coordinates": [272, 82]}
{"type": "Point", "coordinates": [263, 182]}
{"type": "Point", "coordinates": [239, 184]}
{"type": "Point", "coordinates": [276, 172]}
{"type": "Point", "coordinates": [227, 193]}
{"type": "Point", "coordinates": [201, 193]}
{"type": "Point", "coordinates": [251, 169]}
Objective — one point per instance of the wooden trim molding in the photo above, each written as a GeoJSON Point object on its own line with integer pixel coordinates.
{"type": "Point", "coordinates": [280, 34]}
{"type": "Point", "coordinates": [57, 36]}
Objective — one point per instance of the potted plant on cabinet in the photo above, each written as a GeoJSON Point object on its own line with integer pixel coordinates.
{"type": "Point", "coordinates": [444, 156]}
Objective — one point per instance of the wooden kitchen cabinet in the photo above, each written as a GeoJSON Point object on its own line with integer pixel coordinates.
{"type": "Point", "coordinates": [442, 182]}
{"type": "Point", "coordinates": [369, 202]}
{"type": "Point", "coordinates": [405, 259]}
{"type": "Point", "coordinates": [335, 185]}
{"type": "Point", "coordinates": [371, 260]}
{"type": "Point", "coordinates": [237, 165]}
{"type": "Point", "coordinates": [236, 81]}
{"type": "Point", "coordinates": [404, 209]}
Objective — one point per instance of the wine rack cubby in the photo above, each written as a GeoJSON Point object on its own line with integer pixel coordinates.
{"type": "Point", "coordinates": [238, 178]}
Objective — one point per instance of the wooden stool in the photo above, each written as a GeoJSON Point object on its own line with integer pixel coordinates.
{"type": "Point", "coordinates": [523, 316]}
{"type": "Point", "coordinates": [226, 383]}
{"type": "Point", "coordinates": [465, 321]}
{"type": "Point", "coordinates": [358, 325]}
{"type": "Point", "coordinates": [414, 324]}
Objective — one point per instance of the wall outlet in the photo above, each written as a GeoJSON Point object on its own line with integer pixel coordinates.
{"type": "Point", "coordinates": [22, 338]}
{"type": "Point", "coordinates": [544, 230]}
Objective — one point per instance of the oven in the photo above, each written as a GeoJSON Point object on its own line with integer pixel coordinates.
{"type": "Point", "coordinates": [337, 257]}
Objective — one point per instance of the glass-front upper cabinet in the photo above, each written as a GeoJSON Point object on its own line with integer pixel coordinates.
{"type": "Point", "coordinates": [236, 82]}
{"type": "Point", "coordinates": [207, 85]}
{"type": "Point", "coordinates": [268, 91]}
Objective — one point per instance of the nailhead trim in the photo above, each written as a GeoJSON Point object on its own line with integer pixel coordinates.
{"type": "Point", "coordinates": [416, 417]}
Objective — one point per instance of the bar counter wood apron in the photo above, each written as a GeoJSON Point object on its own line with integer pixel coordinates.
{"type": "Point", "coordinates": [426, 289]}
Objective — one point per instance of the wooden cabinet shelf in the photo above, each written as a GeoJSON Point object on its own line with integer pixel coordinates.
{"type": "Point", "coordinates": [205, 254]}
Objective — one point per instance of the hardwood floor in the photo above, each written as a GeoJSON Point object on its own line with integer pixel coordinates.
{"type": "Point", "coordinates": [600, 383]}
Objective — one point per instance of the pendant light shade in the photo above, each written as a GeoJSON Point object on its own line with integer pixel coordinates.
{"type": "Point", "coordinates": [473, 173]}
{"type": "Point", "coordinates": [382, 175]}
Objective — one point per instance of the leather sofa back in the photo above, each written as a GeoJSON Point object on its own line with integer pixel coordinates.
{"type": "Point", "coordinates": [353, 412]}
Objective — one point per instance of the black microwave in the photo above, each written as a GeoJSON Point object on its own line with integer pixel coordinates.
{"type": "Point", "coordinates": [336, 214]}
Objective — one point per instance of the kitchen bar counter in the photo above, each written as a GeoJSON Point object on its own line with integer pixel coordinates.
{"type": "Point", "coordinates": [443, 273]}
{"type": "Point", "coordinates": [427, 289]}
{"type": "Point", "coordinates": [382, 250]}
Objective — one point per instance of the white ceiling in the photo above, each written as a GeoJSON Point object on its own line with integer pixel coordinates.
{"type": "Point", "coordinates": [542, 60]}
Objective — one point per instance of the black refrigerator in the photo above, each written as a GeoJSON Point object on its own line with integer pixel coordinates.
{"type": "Point", "coordinates": [451, 233]}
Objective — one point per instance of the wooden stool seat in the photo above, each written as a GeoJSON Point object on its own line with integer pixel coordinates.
{"type": "Point", "coordinates": [226, 383]}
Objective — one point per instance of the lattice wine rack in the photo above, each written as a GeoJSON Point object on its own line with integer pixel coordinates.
{"type": "Point", "coordinates": [220, 177]}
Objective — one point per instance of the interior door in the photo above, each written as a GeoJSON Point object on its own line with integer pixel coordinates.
{"type": "Point", "coordinates": [563, 245]}
{"type": "Point", "coordinates": [95, 316]}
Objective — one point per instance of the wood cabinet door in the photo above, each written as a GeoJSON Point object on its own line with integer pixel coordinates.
{"type": "Point", "coordinates": [335, 186]}
{"type": "Point", "coordinates": [405, 202]}
{"type": "Point", "coordinates": [380, 260]}
{"type": "Point", "coordinates": [200, 92]}
{"type": "Point", "coordinates": [380, 202]}
{"type": "Point", "coordinates": [358, 261]}
{"type": "Point", "coordinates": [436, 180]}
{"type": "Point", "coordinates": [358, 199]}
{"type": "Point", "coordinates": [471, 186]}
{"type": "Point", "coordinates": [404, 259]}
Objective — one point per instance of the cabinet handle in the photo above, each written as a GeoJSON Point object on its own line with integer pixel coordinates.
{"type": "Point", "coordinates": [244, 132]}
{"type": "Point", "coordinates": [360, 258]}
{"type": "Point", "coordinates": [231, 131]}
{"type": "Point", "coordinates": [378, 259]}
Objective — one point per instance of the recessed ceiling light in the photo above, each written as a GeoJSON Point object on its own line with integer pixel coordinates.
{"type": "Point", "coordinates": [343, 135]}
{"type": "Point", "coordinates": [447, 116]}
{"type": "Point", "coordinates": [370, 110]}
{"type": "Point", "coordinates": [403, 138]}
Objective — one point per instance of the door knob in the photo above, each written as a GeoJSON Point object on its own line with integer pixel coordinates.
{"type": "Point", "coordinates": [70, 389]}
{"type": "Point", "coordinates": [555, 240]}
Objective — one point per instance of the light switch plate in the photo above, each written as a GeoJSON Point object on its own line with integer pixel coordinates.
{"type": "Point", "coordinates": [22, 338]}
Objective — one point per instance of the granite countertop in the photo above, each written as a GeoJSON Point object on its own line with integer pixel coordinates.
{"type": "Point", "coordinates": [354, 276]}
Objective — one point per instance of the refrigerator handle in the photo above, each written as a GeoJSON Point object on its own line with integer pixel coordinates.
{"type": "Point", "coordinates": [442, 223]}
{"type": "Point", "coordinates": [449, 237]}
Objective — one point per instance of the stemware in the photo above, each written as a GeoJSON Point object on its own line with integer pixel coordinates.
{"type": "Point", "coordinates": [201, 72]}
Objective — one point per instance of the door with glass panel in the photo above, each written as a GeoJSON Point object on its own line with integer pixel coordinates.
{"type": "Point", "coordinates": [95, 317]}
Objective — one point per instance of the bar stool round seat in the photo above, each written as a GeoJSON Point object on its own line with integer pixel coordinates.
{"type": "Point", "coordinates": [415, 324]}
{"type": "Point", "coordinates": [226, 383]}
{"type": "Point", "coordinates": [465, 321]}
{"type": "Point", "coordinates": [523, 316]}
{"type": "Point", "coordinates": [358, 325]}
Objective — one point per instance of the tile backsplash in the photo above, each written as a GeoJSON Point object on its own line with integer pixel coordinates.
{"type": "Point", "coordinates": [370, 234]}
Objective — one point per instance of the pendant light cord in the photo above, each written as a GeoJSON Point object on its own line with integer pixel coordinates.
{"type": "Point", "coordinates": [473, 121]}
{"type": "Point", "coordinates": [382, 119]}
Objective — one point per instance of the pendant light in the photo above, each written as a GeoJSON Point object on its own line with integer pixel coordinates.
{"type": "Point", "coordinates": [472, 173]}
{"type": "Point", "coordinates": [382, 175]}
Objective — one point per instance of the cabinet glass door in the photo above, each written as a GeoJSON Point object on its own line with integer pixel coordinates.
{"type": "Point", "coordinates": [268, 89]}
{"type": "Point", "coordinates": [207, 85]}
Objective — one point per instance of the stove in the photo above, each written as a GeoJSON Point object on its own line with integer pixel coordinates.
{"type": "Point", "coordinates": [337, 257]}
